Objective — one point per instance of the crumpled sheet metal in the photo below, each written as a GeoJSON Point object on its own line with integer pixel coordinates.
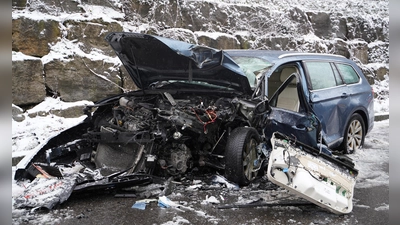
{"type": "Point", "coordinates": [45, 192]}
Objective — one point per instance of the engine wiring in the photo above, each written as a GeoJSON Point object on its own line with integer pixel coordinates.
{"type": "Point", "coordinates": [211, 114]}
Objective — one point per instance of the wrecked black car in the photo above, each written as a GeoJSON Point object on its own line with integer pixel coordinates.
{"type": "Point", "coordinates": [239, 112]}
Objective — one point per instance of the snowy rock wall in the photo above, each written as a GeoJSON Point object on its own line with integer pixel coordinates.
{"type": "Point", "coordinates": [59, 48]}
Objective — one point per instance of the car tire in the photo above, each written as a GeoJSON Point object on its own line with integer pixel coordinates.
{"type": "Point", "coordinates": [354, 134]}
{"type": "Point", "coordinates": [240, 154]}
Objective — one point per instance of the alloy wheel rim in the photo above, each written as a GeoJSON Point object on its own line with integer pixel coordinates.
{"type": "Point", "coordinates": [354, 135]}
{"type": "Point", "coordinates": [249, 156]}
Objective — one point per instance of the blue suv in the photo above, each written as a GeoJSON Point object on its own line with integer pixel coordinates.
{"type": "Point", "coordinates": [331, 87]}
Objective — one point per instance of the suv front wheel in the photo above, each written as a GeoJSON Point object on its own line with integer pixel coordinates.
{"type": "Point", "coordinates": [241, 155]}
{"type": "Point", "coordinates": [355, 134]}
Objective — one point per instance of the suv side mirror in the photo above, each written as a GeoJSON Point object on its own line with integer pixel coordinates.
{"type": "Point", "coordinates": [262, 107]}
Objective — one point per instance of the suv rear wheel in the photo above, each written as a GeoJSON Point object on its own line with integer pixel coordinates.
{"type": "Point", "coordinates": [355, 134]}
{"type": "Point", "coordinates": [241, 155]}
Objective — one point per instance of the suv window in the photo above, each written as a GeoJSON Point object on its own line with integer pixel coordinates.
{"type": "Point", "coordinates": [349, 75]}
{"type": "Point", "coordinates": [321, 75]}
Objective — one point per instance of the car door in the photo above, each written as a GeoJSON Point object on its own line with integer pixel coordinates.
{"type": "Point", "coordinates": [329, 99]}
{"type": "Point", "coordinates": [300, 124]}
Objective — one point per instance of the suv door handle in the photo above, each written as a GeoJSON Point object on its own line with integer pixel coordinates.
{"type": "Point", "coordinates": [344, 95]}
{"type": "Point", "coordinates": [300, 127]}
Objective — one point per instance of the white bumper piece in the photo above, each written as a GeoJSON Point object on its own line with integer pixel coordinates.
{"type": "Point", "coordinates": [310, 176]}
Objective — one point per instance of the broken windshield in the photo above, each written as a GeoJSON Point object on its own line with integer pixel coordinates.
{"type": "Point", "coordinates": [253, 67]}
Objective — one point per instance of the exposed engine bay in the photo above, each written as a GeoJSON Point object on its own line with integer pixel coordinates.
{"type": "Point", "coordinates": [165, 135]}
{"type": "Point", "coordinates": [159, 134]}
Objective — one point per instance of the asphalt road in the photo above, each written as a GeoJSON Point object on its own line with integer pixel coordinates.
{"type": "Point", "coordinates": [370, 207]}
{"type": "Point", "coordinates": [107, 209]}
{"type": "Point", "coordinates": [371, 203]}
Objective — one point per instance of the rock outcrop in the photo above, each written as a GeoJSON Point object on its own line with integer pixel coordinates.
{"type": "Point", "coordinates": [28, 84]}
{"type": "Point", "coordinates": [34, 37]}
{"type": "Point", "coordinates": [82, 78]}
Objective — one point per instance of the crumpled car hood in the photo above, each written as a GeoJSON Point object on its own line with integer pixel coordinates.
{"type": "Point", "coordinates": [149, 59]}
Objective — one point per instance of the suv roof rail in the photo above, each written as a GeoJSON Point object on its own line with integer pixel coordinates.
{"type": "Point", "coordinates": [307, 53]}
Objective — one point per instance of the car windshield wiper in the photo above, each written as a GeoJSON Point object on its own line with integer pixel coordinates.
{"type": "Point", "coordinates": [158, 84]}
{"type": "Point", "coordinates": [183, 83]}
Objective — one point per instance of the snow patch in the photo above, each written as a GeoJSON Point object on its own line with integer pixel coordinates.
{"type": "Point", "coordinates": [376, 145]}
{"type": "Point", "coordinates": [33, 133]}
{"type": "Point", "coordinates": [177, 220]}
{"type": "Point", "coordinates": [214, 35]}
{"type": "Point", "coordinates": [56, 104]}
{"type": "Point", "coordinates": [92, 12]}
{"type": "Point", "coordinates": [19, 56]}
{"type": "Point", "coordinates": [65, 49]}
{"type": "Point", "coordinates": [383, 207]}
{"type": "Point", "coordinates": [363, 206]}
{"type": "Point", "coordinates": [381, 102]}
